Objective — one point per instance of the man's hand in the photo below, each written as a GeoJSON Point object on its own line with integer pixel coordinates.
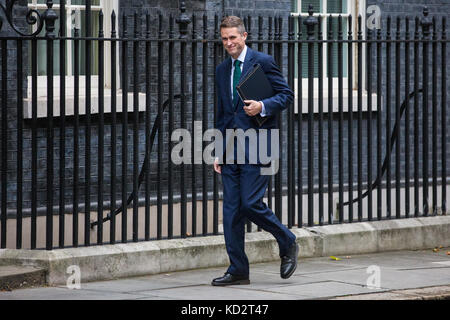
{"type": "Point", "coordinates": [252, 107]}
{"type": "Point", "coordinates": [217, 166]}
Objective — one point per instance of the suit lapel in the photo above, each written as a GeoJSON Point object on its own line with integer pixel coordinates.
{"type": "Point", "coordinates": [248, 64]}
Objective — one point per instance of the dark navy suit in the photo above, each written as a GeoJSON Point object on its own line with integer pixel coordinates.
{"type": "Point", "coordinates": [244, 187]}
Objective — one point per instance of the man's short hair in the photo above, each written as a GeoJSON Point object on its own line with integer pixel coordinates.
{"type": "Point", "coordinates": [233, 22]}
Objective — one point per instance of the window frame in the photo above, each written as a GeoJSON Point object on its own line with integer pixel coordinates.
{"type": "Point", "coordinates": [354, 8]}
{"type": "Point", "coordinates": [107, 6]}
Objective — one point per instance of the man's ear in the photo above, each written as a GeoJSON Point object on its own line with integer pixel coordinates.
{"type": "Point", "coordinates": [245, 34]}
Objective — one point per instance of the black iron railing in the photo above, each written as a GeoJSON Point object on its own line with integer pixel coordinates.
{"type": "Point", "coordinates": [102, 166]}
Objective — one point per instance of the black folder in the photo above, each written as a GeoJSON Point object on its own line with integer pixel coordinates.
{"type": "Point", "coordinates": [255, 86]}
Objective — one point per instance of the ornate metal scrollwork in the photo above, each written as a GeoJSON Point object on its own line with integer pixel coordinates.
{"type": "Point", "coordinates": [33, 17]}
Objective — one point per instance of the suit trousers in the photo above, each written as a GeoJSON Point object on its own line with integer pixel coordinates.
{"type": "Point", "coordinates": [244, 188]}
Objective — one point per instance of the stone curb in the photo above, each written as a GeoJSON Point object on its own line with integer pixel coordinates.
{"type": "Point", "coordinates": [110, 262]}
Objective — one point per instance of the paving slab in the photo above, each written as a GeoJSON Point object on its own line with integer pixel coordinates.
{"type": "Point", "coordinates": [53, 293]}
{"type": "Point", "coordinates": [207, 292]}
{"type": "Point", "coordinates": [390, 278]}
{"type": "Point", "coordinates": [305, 266]}
{"type": "Point", "coordinates": [401, 259]}
{"type": "Point", "coordinates": [129, 285]}
{"type": "Point", "coordinates": [324, 289]}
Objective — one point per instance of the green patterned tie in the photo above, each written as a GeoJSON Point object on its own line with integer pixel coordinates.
{"type": "Point", "coordinates": [236, 78]}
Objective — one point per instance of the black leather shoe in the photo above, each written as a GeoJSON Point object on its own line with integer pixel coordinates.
{"type": "Point", "coordinates": [289, 262]}
{"type": "Point", "coordinates": [228, 279]}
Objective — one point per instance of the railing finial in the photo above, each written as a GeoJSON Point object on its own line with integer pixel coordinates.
{"type": "Point", "coordinates": [50, 17]}
{"type": "Point", "coordinates": [425, 22]}
{"type": "Point", "coordinates": [310, 10]}
{"type": "Point", "coordinates": [183, 20]}
{"type": "Point", "coordinates": [310, 23]}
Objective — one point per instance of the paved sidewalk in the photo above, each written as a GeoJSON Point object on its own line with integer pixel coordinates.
{"type": "Point", "coordinates": [388, 275]}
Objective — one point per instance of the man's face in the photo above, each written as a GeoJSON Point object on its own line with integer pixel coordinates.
{"type": "Point", "coordinates": [233, 41]}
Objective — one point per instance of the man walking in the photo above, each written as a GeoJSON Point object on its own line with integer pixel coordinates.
{"type": "Point", "coordinates": [243, 185]}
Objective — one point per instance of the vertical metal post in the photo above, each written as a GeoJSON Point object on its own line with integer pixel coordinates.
{"type": "Point", "coordinates": [160, 129]}
{"type": "Point", "coordinates": [407, 119]}
{"type": "Point", "coordinates": [340, 122]}
{"type": "Point", "coordinates": [4, 144]}
{"type": "Point", "coordinates": [299, 125]}
{"type": "Point", "coordinates": [310, 23]}
{"type": "Point", "coordinates": [278, 176]}
{"type": "Point", "coordinates": [112, 235]}
{"type": "Point", "coordinates": [19, 143]}
{"type": "Point", "coordinates": [330, 143]}
{"type": "Point", "coordinates": [136, 66]}
{"type": "Point", "coordinates": [388, 117]}
{"type": "Point", "coordinates": [194, 118]}
{"type": "Point", "coordinates": [33, 143]}
{"type": "Point", "coordinates": [148, 146]}
{"type": "Point", "coordinates": [124, 127]}
{"type": "Point", "coordinates": [101, 129]}
{"type": "Point", "coordinates": [369, 124]}
{"type": "Point", "coordinates": [270, 52]}
{"type": "Point", "coordinates": [248, 23]}
{"type": "Point", "coordinates": [87, 156]}
{"type": "Point", "coordinates": [76, 130]}
{"type": "Point", "coordinates": [360, 121]}
{"type": "Point", "coordinates": [290, 150]}
{"type": "Point", "coordinates": [171, 127]}
{"type": "Point", "coordinates": [215, 175]}
{"type": "Point", "coordinates": [62, 112]}
{"type": "Point", "coordinates": [183, 21]}
{"type": "Point", "coordinates": [444, 116]}
{"type": "Point", "coordinates": [426, 24]}
{"type": "Point", "coordinates": [350, 117]}
{"type": "Point", "coordinates": [416, 118]}
{"type": "Point", "coordinates": [379, 126]}
{"type": "Point", "coordinates": [434, 134]}
{"type": "Point", "coordinates": [320, 153]}
{"type": "Point", "coordinates": [50, 18]}
{"type": "Point", "coordinates": [397, 120]}
{"type": "Point", "coordinates": [205, 125]}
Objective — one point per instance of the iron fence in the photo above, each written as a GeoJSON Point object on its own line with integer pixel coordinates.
{"type": "Point", "coordinates": [80, 177]}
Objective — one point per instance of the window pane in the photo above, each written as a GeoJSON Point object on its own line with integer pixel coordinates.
{"type": "Point", "coordinates": [83, 2]}
{"type": "Point", "coordinates": [74, 2]}
{"type": "Point", "coordinates": [42, 48]}
{"type": "Point", "coordinates": [336, 6]}
{"type": "Point", "coordinates": [335, 46]}
{"type": "Point", "coordinates": [294, 6]}
{"type": "Point", "coordinates": [94, 44]}
{"type": "Point", "coordinates": [42, 51]}
{"type": "Point", "coordinates": [317, 5]}
{"type": "Point", "coordinates": [334, 52]}
{"type": "Point", "coordinates": [305, 57]}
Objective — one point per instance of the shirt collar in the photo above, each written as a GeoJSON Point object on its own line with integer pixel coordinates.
{"type": "Point", "coordinates": [241, 57]}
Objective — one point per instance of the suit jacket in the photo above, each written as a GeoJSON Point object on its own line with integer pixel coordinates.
{"type": "Point", "coordinates": [232, 115]}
